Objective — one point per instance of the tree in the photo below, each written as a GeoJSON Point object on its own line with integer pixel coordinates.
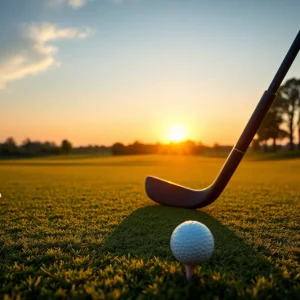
{"type": "Point", "coordinates": [118, 149]}
{"type": "Point", "coordinates": [216, 147]}
{"type": "Point", "coordinates": [189, 147]}
{"type": "Point", "coordinates": [27, 146]}
{"type": "Point", "coordinates": [49, 148]}
{"type": "Point", "coordinates": [288, 100]}
{"type": "Point", "coordinates": [136, 148]}
{"type": "Point", "coordinates": [255, 145]}
{"type": "Point", "coordinates": [66, 147]}
{"type": "Point", "coordinates": [270, 128]}
{"type": "Point", "coordinates": [10, 147]}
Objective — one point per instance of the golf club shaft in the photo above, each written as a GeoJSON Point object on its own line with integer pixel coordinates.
{"type": "Point", "coordinates": [255, 121]}
{"type": "Point", "coordinates": [267, 98]}
{"type": "Point", "coordinates": [285, 66]}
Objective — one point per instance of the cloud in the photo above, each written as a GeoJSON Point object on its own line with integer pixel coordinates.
{"type": "Point", "coordinates": [75, 4]}
{"type": "Point", "coordinates": [33, 52]}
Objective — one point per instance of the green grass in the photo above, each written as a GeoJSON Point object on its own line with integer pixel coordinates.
{"type": "Point", "coordinates": [84, 229]}
{"type": "Point", "coordinates": [279, 155]}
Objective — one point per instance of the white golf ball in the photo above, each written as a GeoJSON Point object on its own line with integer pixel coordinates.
{"type": "Point", "coordinates": [192, 243]}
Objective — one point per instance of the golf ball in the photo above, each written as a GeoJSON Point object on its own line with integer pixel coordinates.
{"type": "Point", "coordinates": [192, 243]}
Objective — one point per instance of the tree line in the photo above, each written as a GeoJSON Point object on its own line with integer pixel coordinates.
{"type": "Point", "coordinates": [188, 147]}
{"type": "Point", "coordinates": [33, 148]}
{"type": "Point", "coordinates": [283, 119]}
{"type": "Point", "coordinates": [29, 148]}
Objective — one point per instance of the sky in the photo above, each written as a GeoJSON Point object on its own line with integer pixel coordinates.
{"type": "Point", "coordinates": [105, 71]}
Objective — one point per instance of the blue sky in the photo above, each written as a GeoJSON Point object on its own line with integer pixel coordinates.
{"type": "Point", "coordinates": [100, 71]}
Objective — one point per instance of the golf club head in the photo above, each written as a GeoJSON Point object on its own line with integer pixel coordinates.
{"type": "Point", "coordinates": [172, 194]}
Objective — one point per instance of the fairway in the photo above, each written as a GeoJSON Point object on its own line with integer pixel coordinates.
{"type": "Point", "coordinates": [84, 228]}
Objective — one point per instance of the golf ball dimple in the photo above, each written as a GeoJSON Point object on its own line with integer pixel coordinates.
{"type": "Point", "coordinates": [192, 243]}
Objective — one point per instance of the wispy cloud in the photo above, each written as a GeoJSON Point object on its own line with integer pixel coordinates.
{"type": "Point", "coordinates": [72, 3]}
{"type": "Point", "coordinates": [33, 53]}
{"type": "Point", "coordinates": [75, 4]}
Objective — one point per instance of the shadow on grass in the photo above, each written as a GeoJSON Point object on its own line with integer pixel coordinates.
{"type": "Point", "coordinates": [146, 233]}
{"type": "Point", "coordinates": [236, 271]}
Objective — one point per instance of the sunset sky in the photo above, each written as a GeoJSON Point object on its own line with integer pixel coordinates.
{"type": "Point", "coordinates": [101, 71]}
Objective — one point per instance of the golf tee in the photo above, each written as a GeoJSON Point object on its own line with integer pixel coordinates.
{"type": "Point", "coordinates": [189, 270]}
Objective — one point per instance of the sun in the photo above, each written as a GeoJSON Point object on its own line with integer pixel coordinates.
{"type": "Point", "coordinates": [177, 133]}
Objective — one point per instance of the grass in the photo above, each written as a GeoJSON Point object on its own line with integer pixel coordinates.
{"type": "Point", "coordinates": [85, 229]}
{"type": "Point", "coordinates": [279, 155]}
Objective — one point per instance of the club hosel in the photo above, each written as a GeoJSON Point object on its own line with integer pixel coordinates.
{"type": "Point", "coordinates": [238, 151]}
{"type": "Point", "coordinates": [255, 121]}
{"type": "Point", "coordinates": [224, 176]}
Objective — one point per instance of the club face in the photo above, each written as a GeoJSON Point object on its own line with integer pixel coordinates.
{"type": "Point", "coordinates": [171, 194]}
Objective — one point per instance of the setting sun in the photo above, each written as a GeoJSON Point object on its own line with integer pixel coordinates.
{"type": "Point", "coordinates": [176, 133]}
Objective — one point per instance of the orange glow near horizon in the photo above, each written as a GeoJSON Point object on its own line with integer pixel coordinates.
{"type": "Point", "coordinates": [177, 133]}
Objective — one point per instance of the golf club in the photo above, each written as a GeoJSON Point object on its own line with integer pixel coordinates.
{"type": "Point", "coordinates": [171, 194]}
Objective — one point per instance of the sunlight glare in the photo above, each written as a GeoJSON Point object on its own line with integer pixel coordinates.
{"type": "Point", "coordinates": [177, 133]}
